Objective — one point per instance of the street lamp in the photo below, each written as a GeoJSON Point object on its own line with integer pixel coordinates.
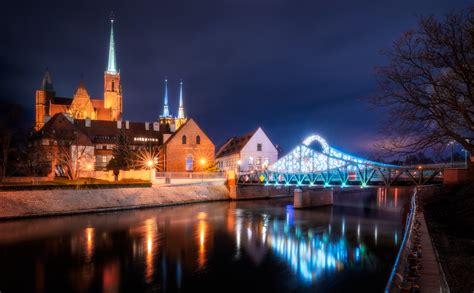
{"type": "Point", "coordinates": [239, 162]}
{"type": "Point", "coordinates": [465, 158]}
{"type": "Point", "coordinates": [150, 163]}
{"type": "Point", "coordinates": [451, 143]}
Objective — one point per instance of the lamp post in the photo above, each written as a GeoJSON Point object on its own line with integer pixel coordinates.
{"type": "Point", "coordinates": [239, 162]}
{"type": "Point", "coordinates": [465, 158]}
{"type": "Point", "coordinates": [203, 163]}
{"type": "Point", "coordinates": [451, 143]}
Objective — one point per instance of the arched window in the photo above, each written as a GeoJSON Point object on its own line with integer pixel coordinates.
{"type": "Point", "coordinates": [113, 85]}
{"type": "Point", "coordinates": [189, 163]}
{"type": "Point", "coordinates": [198, 139]}
{"type": "Point", "coordinates": [183, 139]}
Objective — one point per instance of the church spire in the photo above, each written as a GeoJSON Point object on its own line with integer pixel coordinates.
{"type": "Point", "coordinates": [166, 112]}
{"type": "Point", "coordinates": [181, 108]}
{"type": "Point", "coordinates": [112, 65]}
{"type": "Point", "coordinates": [47, 83]}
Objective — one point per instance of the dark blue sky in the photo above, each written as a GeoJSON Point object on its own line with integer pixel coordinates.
{"type": "Point", "coordinates": [292, 67]}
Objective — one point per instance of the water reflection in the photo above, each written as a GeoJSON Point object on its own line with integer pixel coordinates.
{"type": "Point", "coordinates": [89, 243]}
{"type": "Point", "coordinates": [199, 246]}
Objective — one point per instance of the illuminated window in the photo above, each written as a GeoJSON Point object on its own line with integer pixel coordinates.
{"type": "Point", "coordinates": [250, 160]}
{"type": "Point", "coordinates": [189, 162]}
{"type": "Point", "coordinates": [198, 139]}
{"type": "Point", "coordinates": [259, 161]}
{"type": "Point", "coordinates": [183, 139]}
{"type": "Point", "coordinates": [259, 147]}
{"type": "Point", "coordinates": [104, 159]}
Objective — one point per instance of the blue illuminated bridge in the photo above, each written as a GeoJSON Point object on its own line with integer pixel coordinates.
{"type": "Point", "coordinates": [314, 162]}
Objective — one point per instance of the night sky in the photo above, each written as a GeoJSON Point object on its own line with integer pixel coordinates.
{"type": "Point", "coordinates": [292, 67]}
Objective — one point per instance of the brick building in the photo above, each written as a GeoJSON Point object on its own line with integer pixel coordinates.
{"type": "Point", "coordinates": [81, 105]}
{"type": "Point", "coordinates": [94, 126]}
{"type": "Point", "coordinates": [188, 149]}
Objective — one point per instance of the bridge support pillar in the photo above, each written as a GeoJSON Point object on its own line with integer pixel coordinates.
{"type": "Point", "coordinates": [312, 198]}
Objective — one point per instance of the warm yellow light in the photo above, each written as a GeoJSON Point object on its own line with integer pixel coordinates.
{"type": "Point", "coordinates": [150, 163]}
{"type": "Point", "coordinates": [203, 161]}
{"type": "Point", "coordinates": [239, 162]}
{"type": "Point", "coordinates": [89, 166]}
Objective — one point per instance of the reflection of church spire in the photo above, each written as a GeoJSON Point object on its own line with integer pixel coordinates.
{"type": "Point", "coordinates": [112, 65]}
{"type": "Point", "coordinates": [181, 108]}
{"type": "Point", "coordinates": [166, 112]}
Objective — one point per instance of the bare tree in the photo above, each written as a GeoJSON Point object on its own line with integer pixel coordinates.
{"type": "Point", "coordinates": [428, 86]}
{"type": "Point", "coordinates": [68, 152]}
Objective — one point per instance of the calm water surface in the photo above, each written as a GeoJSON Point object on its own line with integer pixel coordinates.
{"type": "Point", "coordinates": [250, 246]}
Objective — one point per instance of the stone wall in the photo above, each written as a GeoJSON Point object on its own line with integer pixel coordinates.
{"type": "Point", "coordinates": [259, 191]}
{"type": "Point", "coordinates": [146, 175]}
{"type": "Point", "coordinates": [456, 175]}
{"type": "Point", "coordinates": [59, 202]}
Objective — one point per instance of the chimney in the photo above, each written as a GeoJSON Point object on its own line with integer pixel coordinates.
{"type": "Point", "coordinates": [156, 126]}
{"type": "Point", "coordinates": [147, 126]}
{"type": "Point", "coordinates": [119, 124]}
{"type": "Point", "coordinates": [127, 124]}
{"type": "Point", "coordinates": [88, 122]}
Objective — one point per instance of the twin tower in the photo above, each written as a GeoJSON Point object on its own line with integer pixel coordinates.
{"type": "Point", "coordinates": [82, 106]}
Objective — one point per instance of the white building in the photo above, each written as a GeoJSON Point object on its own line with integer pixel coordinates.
{"type": "Point", "coordinates": [252, 151]}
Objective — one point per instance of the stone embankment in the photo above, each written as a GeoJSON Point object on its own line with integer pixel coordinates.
{"type": "Point", "coordinates": [20, 204]}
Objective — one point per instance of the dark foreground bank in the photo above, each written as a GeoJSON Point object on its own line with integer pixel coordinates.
{"type": "Point", "coordinates": [450, 217]}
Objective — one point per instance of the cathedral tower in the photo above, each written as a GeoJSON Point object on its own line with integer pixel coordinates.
{"type": "Point", "coordinates": [44, 95]}
{"type": "Point", "coordinates": [166, 118]}
{"type": "Point", "coordinates": [112, 86]}
{"type": "Point", "coordinates": [181, 119]}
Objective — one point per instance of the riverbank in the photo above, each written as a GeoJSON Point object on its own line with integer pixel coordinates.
{"type": "Point", "coordinates": [21, 204]}
{"type": "Point", "coordinates": [450, 218]}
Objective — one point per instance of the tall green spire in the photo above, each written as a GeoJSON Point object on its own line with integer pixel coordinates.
{"type": "Point", "coordinates": [181, 107]}
{"type": "Point", "coordinates": [112, 66]}
{"type": "Point", "coordinates": [166, 112]}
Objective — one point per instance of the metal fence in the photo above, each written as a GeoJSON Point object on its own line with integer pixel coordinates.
{"type": "Point", "coordinates": [191, 175]}
{"type": "Point", "coordinates": [396, 277]}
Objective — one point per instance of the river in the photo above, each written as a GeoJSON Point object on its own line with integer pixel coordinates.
{"type": "Point", "coordinates": [244, 246]}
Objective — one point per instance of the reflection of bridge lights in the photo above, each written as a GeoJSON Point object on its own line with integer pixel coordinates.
{"type": "Point", "coordinates": [375, 233]}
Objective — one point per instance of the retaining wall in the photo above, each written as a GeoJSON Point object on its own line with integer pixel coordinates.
{"type": "Point", "coordinates": [57, 202]}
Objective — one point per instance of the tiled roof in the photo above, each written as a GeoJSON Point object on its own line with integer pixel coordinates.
{"type": "Point", "coordinates": [101, 131]}
{"type": "Point", "coordinates": [234, 145]}
{"type": "Point", "coordinates": [59, 127]}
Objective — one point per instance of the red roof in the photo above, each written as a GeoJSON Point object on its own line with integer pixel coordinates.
{"type": "Point", "coordinates": [234, 144]}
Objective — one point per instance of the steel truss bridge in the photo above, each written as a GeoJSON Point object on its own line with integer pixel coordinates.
{"type": "Point", "coordinates": [306, 165]}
